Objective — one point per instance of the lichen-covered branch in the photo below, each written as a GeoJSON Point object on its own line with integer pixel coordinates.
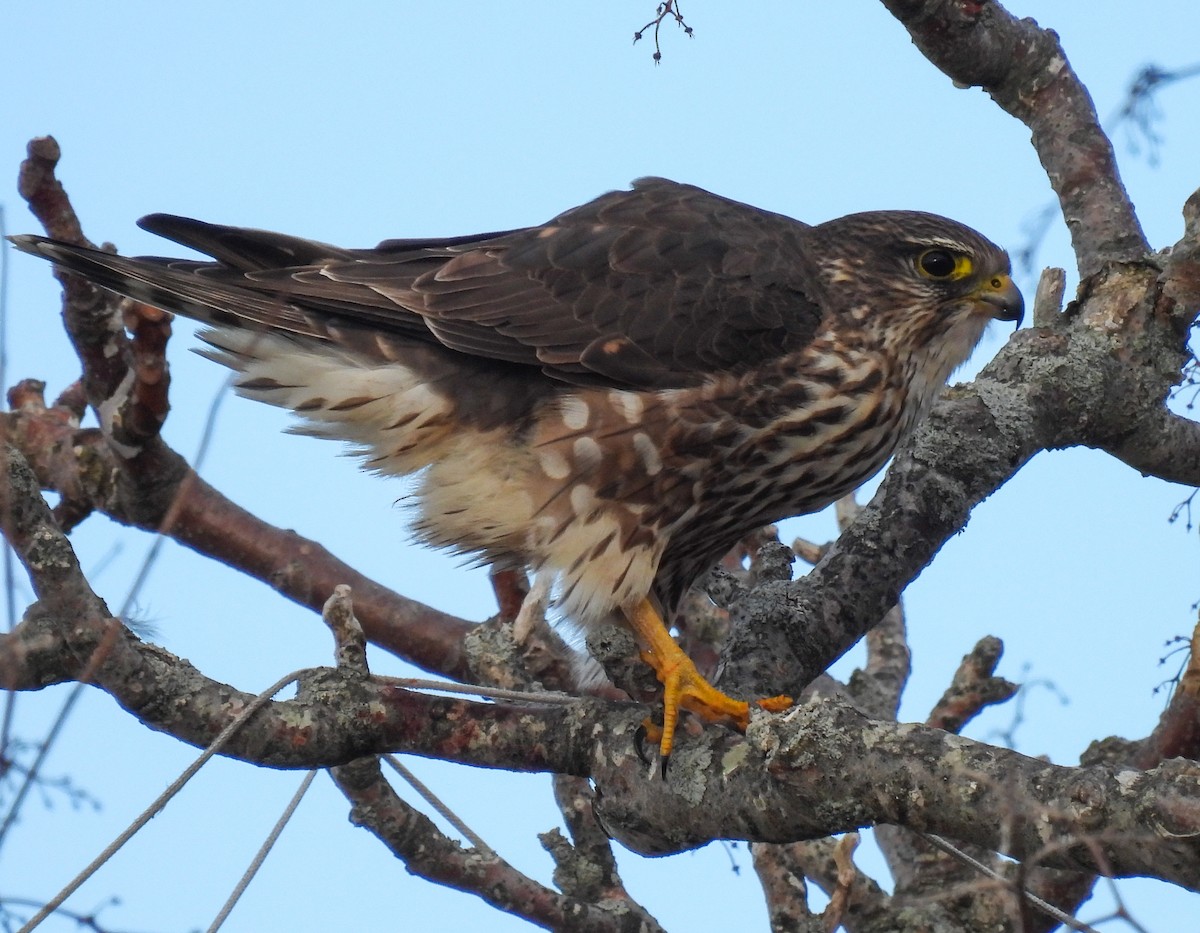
{"type": "Point", "coordinates": [770, 785]}
{"type": "Point", "coordinates": [165, 496]}
{"type": "Point", "coordinates": [426, 852]}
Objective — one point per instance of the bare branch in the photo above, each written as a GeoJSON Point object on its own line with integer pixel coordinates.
{"type": "Point", "coordinates": [426, 852]}
{"type": "Point", "coordinates": [351, 643]}
{"type": "Point", "coordinates": [785, 889]}
{"type": "Point", "coordinates": [1177, 734]}
{"type": "Point", "coordinates": [587, 868]}
{"type": "Point", "coordinates": [1047, 302]}
{"type": "Point", "coordinates": [1026, 72]}
{"type": "Point", "coordinates": [1165, 445]}
{"type": "Point", "coordinates": [668, 9]}
{"type": "Point", "coordinates": [974, 688]}
{"type": "Point", "coordinates": [780, 765]}
{"type": "Point", "coordinates": [130, 408]}
{"type": "Point", "coordinates": [161, 494]}
{"type": "Point", "coordinates": [865, 906]}
{"type": "Point", "coordinates": [916, 868]}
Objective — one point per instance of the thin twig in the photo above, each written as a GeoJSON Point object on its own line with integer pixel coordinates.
{"type": "Point", "coordinates": [148, 563]}
{"type": "Point", "coordinates": [434, 801]}
{"type": "Point", "coordinates": [261, 855]}
{"type": "Point", "coordinates": [1121, 912]}
{"type": "Point", "coordinates": [43, 749]}
{"type": "Point", "coordinates": [161, 801]}
{"type": "Point", "coordinates": [84, 921]}
{"type": "Point", "coordinates": [1045, 906]}
{"type": "Point", "coordinates": [495, 693]}
{"type": "Point", "coordinates": [85, 678]}
{"type": "Point", "coordinates": [666, 8]}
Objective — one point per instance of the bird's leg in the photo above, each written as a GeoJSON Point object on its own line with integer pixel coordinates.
{"type": "Point", "coordinates": [683, 685]}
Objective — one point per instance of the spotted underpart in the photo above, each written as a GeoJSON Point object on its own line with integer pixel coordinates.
{"type": "Point", "coordinates": [583, 495]}
{"type": "Point", "coordinates": [612, 399]}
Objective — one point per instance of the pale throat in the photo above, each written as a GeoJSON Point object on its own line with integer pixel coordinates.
{"type": "Point", "coordinates": [931, 367]}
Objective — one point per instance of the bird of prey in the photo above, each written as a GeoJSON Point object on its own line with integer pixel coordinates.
{"type": "Point", "coordinates": [612, 399]}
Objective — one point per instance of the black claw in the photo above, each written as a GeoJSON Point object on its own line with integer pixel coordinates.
{"type": "Point", "coordinates": [639, 746]}
{"type": "Point", "coordinates": [639, 740]}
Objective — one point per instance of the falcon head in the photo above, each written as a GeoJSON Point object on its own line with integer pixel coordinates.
{"type": "Point", "coordinates": [878, 260]}
{"type": "Point", "coordinates": [924, 285]}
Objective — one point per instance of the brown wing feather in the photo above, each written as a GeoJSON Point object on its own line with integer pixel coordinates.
{"type": "Point", "coordinates": [653, 287]}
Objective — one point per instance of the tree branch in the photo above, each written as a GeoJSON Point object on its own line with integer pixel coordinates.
{"type": "Point", "coordinates": [973, 688]}
{"type": "Point", "coordinates": [125, 381]}
{"type": "Point", "coordinates": [165, 496]}
{"type": "Point", "coordinates": [770, 785]}
{"type": "Point", "coordinates": [1165, 445]}
{"type": "Point", "coordinates": [1026, 72]}
{"type": "Point", "coordinates": [428, 853]}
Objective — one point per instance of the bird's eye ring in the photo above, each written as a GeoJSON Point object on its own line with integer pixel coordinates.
{"type": "Point", "coordinates": [937, 263]}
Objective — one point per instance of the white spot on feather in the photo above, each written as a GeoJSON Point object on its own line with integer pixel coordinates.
{"type": "Point", "coordinates": [648, 452]}
{"type": "Point", "coordinates": [575, 412]}
{"type": "Point", "coordinates": [629, 404]}
{"type": "Point", "coordinates": [583, 498]}
{"type": "Point", "coordinates": [587, 453]}
{"type": "Point", "coordinates": [553, 464]}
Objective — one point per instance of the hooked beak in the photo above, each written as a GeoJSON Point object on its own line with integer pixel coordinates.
{"type": "Point", "coordinates": [1003, 297]}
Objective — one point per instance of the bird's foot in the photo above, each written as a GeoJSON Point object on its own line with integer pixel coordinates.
{"type": "Point", "coordinates": [684, 687]}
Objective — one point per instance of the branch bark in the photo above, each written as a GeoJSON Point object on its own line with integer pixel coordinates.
{"type": "Point", "coordinates": [771, 785]}
{"type": "Point", "coordinates": [428, 853]}
{"type": "Point", "coordinates": [1025, 70]}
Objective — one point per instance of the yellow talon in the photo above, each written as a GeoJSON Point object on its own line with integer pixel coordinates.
{"type": "Point", "coordinates": [683, 685]}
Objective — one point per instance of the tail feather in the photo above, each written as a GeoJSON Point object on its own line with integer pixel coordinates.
{"type": "Point", "coordinates": [247, 288]}
{"type": "Point", "coordinates": [173, 285]}
{"type": "Point", "coordinates": [284, 346]}
{"type": "Point", "coordinates": [245, 250]}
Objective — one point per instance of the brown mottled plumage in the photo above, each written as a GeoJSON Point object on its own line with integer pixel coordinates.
{"type": "Point", "coordinates": [612, 399]}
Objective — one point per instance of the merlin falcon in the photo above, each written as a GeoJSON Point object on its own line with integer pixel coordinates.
{"type": "Point", "coordinates": [612, 399]}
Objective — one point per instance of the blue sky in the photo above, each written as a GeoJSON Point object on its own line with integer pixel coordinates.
{"type": "Point", "coordinates": [375, 120]}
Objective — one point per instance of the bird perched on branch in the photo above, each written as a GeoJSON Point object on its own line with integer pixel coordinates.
{"type": "Point", "coordinates": [612, 399]}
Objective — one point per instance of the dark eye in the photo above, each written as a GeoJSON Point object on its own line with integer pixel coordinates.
{"type": "Point", "coordinates": [937, 263]}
